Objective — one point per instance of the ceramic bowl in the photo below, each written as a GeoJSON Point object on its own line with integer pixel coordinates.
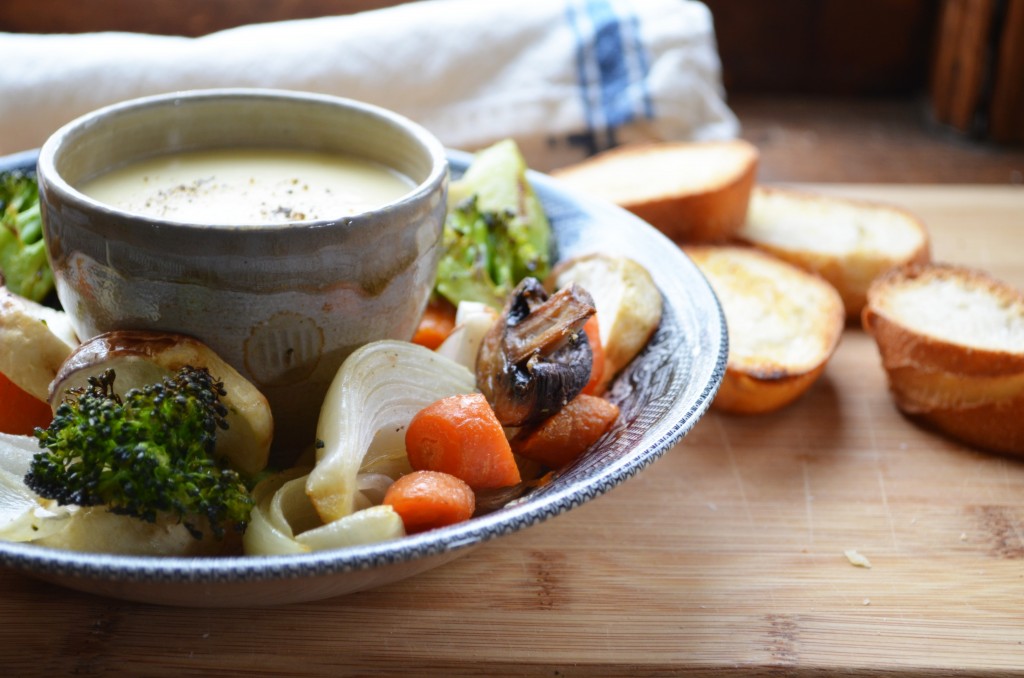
{"type": "Point", "coordinates": [661, 394]}
{"type": "Point", "coordinates": [284, 303]}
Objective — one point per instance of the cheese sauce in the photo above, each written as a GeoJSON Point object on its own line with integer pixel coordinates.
{"type": "Point", "coordinates": [249, 186]}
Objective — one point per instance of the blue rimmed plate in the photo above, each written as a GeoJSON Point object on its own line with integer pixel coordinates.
{"type": "Point", "coordinates": [662, 394]}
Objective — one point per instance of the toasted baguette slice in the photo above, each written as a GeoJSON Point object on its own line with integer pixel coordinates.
{"type": "Point", "coordinates": [952, 344]}
{"type": "Point", "coordinates": [784, 324]}
{"type": "Point", "coordinates": [692, 192]}
{"type": "Point", "coordinates": [847, 242]}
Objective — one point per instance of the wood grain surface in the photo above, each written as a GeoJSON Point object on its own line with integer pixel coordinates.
{"type": "Point", "coordinates": [867, 140]}
{"type": "Point", "coordinates": [726, 557]}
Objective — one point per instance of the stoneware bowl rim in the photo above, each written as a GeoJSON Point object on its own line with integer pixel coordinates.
{"type": "Point", "coordinates": [48, 154]}
{"type": "Point", "coordinates": [283, 303]}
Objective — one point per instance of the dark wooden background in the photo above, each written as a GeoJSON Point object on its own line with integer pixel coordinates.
{"type": "Point", "coordinates": [830, 90]}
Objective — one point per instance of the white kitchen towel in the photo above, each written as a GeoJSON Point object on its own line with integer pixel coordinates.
{"type": "Point", "coordinates": [565, 78]}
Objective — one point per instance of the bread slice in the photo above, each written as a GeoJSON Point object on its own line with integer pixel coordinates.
{"type": "Point", "coordinates": [951, 341]}
{"type": "Point", "coordinates": [847, 242]}
{"type": "Point", "coordinates": [628, 303]}
{"type": "Point", "coordinates": [692, 192]}
{"type": "Point", "coordinates": [784, 324]}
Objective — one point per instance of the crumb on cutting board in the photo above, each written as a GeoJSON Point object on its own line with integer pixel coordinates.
{"type": "Point", "coordinates": [857, 559]}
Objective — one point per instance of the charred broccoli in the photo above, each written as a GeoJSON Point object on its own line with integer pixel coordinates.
{"type": "Point", "coordinates": [477, 265]}
{"type": "Point", "coordinates": [496, 232]}
{"type": "Point", "coordinates": [148, 454]}
{"type": "Point", "coordinates": [23, 264]}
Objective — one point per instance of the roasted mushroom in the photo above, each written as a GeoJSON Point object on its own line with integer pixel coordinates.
{"type": "Point", "coordinates": [536, 357]}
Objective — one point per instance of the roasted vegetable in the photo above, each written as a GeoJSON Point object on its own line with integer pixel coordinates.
{"type": "Point", "coordinates": [146, 455]}
{"type": "Point", "coordinates": [536, 357]}
{"type": "Point", "coordinates": [23, 264]}
{"type": "Point", "coordinates": [429, 499]}
{"type": "Point", "coordinates": [371, 400]}
{"type": "Point", "coordinates": [496, 232]}
{"type": "Point", "coordinates": [23, 517]}
{"type": "Point", "coordinates": [628, 303]}
{"type": "Point", "coordinates": [472, 322]}
{"type": "Point", "coordinates": [143, 357]}
{"type": "Point", "coordinates": [461, 436]}
{"type": "Point", "coordinates": [477, 260]}
{"type": "Point", "coordinates": [284, 519]}
{"type": "Point", "coordinates": [35, 340]}
{"type": "Point", "coordinates": [562, 438]}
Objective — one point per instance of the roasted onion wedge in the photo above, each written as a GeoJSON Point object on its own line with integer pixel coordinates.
{"type": "Point", "coordinates": [285, 521]}
{"type": "Point", "coordinates": [374, 395]}
{"type": "Point", "coordinates": [472, 322]}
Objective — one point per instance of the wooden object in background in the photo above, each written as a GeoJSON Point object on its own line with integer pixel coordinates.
{"type": "Point", "coordinates": [961, 61]}
{"type": "Point", "coordinates": [1007, 116]}
{"type": "Point", "coordinates": [831, 47]}
{"type": "Point", "coordinates": [978, 69]}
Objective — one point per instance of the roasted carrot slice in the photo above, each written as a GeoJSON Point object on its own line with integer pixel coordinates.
{"type": "Point", "coordinates": [21, 412]}
{"type": "Point", "coordinates": [565, 435]}
{"type": "Point", "coordinates": [460, 435]}
{"type": "Point", "coordinates": [597, 366]}
{"type": "Point", "coordinates": [437, 323]}
{"type": "Point", "coordinates": [429, 499]}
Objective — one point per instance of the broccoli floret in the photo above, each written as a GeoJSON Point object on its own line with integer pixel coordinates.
{"type": "Point", "coordinates": [147, 454]}
{"type": "Point", "coordinates": [23, 264]}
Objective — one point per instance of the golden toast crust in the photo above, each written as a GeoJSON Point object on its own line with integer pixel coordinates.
{"type": "Point", "coordinates": [693, 192]}
{"type": "Point", "coordinates": [959, 368]}
{"type": "Point", "coordinates": [784, 325]}
{"type": "Point", "coordinates": [848, 242]}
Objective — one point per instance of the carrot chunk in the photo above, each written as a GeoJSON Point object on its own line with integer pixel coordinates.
{"type": "Point", "coordinates": [437, 323]}
{"type": "Point", "coordinates": [429, 499]}
{"type": "Point", "coordinates": [21, 412]}
{"type": "Point", "coordinates": [460, 435]}
{"type": "Point", "coordinates": [597, 366]}
{"type": "Point", "coordinates": [565, 435]}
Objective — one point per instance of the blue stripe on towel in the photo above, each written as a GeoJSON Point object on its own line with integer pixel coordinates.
{"type": "Point", "coordinates": [633, 21]}
{"type": "Point", "coordinates": [587, 140]}
{"type": "Point", "coordinates": [611, 63]}
{"type": "Point", "coordinates": [613, 90]}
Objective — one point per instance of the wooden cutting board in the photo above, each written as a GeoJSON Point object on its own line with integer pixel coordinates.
{"type": "Point", "coordinates": [727, 556]}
